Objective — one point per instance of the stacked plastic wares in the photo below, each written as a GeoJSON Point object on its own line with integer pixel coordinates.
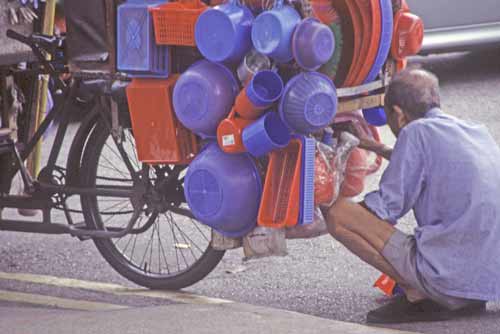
{"type": "Point", "coordinates": [238, 90]}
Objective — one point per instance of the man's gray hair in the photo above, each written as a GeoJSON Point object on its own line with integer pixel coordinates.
{"type": "Point", "coordinates": [415, 91]}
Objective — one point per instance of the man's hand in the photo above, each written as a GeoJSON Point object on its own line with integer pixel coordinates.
{"type": "Point", "coordinates": [376, 147]}
{"type": "Point", "coordinates": [368, 143]}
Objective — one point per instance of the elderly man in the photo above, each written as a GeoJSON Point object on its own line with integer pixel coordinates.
{"type": "Point", "coordinates": [448, 171]}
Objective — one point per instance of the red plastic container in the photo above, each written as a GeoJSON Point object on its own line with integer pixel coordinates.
{"type": "Point", "coordinates": [160, 138]}
{"type": "Point", "coordinates": [229, 133]}
{"type": "Point", "coordinates": [174, 22]}
{"type": "Point", "coordinates": [280, 204]}
{"type": "Point", "coordinates": [408, 35]}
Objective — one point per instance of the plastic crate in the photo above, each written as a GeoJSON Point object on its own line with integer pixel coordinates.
{"type": "Point", "coordinates": [280, 204]}
{"type": "Point", "coordinates": [174, 22]}
{"type": "Point", "coordinates": [160, 138]}
{"type": "Point", "coordinates": [137, 53]}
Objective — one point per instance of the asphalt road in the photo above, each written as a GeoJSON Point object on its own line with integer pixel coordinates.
{"type": "Point", "coordinates": [318, 277]}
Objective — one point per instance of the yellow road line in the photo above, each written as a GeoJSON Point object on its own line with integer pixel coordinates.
{"type": "Point", "coordinates": [181, 297]}
{"type": "Point", "coordinates": [30, 298]}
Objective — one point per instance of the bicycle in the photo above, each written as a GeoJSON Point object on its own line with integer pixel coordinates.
{"type": "Point", "coordinates": [126, 205]}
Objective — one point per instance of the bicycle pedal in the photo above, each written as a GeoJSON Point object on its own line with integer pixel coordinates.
{"type": "Point", "coordinates": [81, 226]}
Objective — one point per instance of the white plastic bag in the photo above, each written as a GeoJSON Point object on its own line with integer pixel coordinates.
{"type": "Point", "coordinates": [330, 166]}
{"type": "Point", "coordinates": [264, 241]}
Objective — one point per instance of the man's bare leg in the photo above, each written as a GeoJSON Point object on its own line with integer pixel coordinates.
{"type": "Point", "coordinates": [365, 235]}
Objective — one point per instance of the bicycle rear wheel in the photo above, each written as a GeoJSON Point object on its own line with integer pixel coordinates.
{"type": "Point", "coordinates": [168, 248]}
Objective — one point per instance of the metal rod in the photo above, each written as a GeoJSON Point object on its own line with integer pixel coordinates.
{"type": "Point", "coordinates": [42, 88]}
{"type": "Point", "coordinates": [32, 227]}
{"type": "Point", "coordinates": [53, 228]}
{"type": "Point", "coordinates": [74, 231]}
{"type": "Point", "coordinates": [107, 191]}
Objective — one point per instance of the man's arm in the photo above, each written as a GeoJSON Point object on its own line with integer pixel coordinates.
{"type": "Point", "coordinates": [370, 144]}
{"type": "Point", "coordinates": [403, 179]}
{"type": "Point", "coordinates": [376, 147]}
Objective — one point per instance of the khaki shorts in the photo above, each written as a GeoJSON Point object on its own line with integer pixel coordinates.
{"type": "Point", "coordinates": [400, 252]}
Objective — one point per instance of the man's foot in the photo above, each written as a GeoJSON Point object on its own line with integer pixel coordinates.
{"type": "Point", "coordinates": [400, 310]}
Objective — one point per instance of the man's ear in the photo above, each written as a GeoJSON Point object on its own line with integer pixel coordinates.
{"type": "Point", "coordinates": [400, 116]}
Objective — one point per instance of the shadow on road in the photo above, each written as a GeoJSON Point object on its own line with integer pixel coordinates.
{"type": "Point", "coordinates": [462, 67]}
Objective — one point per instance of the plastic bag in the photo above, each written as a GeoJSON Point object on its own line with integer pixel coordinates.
{"type": "Point", "coordinates": [316, 229]}
{"type": "Point", "coordinates": [356, 120]}
{"type": "Point", "coordinates": [355, 173]}
{"type": "Point", "coordinates": [330, 167]}
{"type": "Point", "coordinates": [360, 163]}
{"type": "Point", "coordinates": [264, 241]}
{"type": "Point", "coordinates": [221, 242]}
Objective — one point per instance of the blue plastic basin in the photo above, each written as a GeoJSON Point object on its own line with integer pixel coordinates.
{"type": "Point", "coordinates": [203, 96]}
{"type": "Point", "coordinates": [223, 191]}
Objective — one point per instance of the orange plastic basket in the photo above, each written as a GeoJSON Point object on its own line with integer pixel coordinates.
{"type": "Point", "coordinates": [174, 22]}
{"type": "Point", "coordinates": [280, 204]}
{"type": "Point", "coordinates": [160, 138]}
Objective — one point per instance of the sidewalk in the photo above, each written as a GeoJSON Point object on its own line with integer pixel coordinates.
{"type": "Point", "coordinates": [228, 318]}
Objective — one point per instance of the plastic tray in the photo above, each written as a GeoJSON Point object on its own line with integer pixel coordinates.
{"type": "Point", "coordinates": [385, 40]}
{"type": "Point", "coordinates": [160, 138]}
{"type": "Point", "coordinates": [370, 12]}
{"type": "Point", "coordinates": [280, 204]}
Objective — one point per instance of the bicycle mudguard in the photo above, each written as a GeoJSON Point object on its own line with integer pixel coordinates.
{"type": "Point", "coordinates": [75, 154]}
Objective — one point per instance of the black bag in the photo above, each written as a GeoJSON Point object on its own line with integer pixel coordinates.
{"type": "Point", "coordinates": [91, 33]}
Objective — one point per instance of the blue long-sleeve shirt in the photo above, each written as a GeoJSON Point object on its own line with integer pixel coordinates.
{"type": "Point", "coordinates": [448, 171]}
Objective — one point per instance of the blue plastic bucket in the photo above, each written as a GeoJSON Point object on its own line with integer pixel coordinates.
{"type": "Point", "coordinates": [313, 44]}
{"type": "Point", "coordinates": [272, 33]}
{"type": "Point", "coordinates": [223, 191]}
{"type": "Point", "coordinates": [375, 116]}
{"type": "Point", "coordinates": [223, 33]}
{"type": "Point", "coordinates": [309, 103]}
{"type": "Point", "coordinates": [265, 88]}
{"type": "Point", "coordinates": [266, 134]}
{"type": "Point", "coordinates": [203, 96]}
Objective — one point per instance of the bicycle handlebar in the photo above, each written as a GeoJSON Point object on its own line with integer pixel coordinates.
{"type": "Point", "coordinates": [18, 37]}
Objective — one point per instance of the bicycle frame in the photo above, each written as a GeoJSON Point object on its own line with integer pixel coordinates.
{"type": "Point", "coordinates": [42, 192]}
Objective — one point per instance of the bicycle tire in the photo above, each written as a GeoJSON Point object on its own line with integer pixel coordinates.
{"type": "Point", "coordinates": [191, 275]}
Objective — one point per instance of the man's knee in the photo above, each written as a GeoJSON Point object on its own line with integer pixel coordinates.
{"type": "Point", "coordinates": [337, 216]}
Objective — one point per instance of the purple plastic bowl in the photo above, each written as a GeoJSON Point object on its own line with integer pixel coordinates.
{"type": "Point", "coordinates": [313, 44]}
{"type": "Point", "coordinates": [265, 88]}
{"type": "Point", "coordinates": [223, 190]}
{"type": "Point", "coordinates": [203, 96]}
{"type": "Point", "coordinates": [223, 33]}
{"type": "Point", "coordinates": [309, 103]}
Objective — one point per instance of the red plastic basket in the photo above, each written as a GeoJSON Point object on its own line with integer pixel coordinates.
{"type": "Point", "coordinates": [160, 138]}
{"type": "Point", "coordinates": [174, 22]}
{"type": "Point", "coordinates": [280, 204]}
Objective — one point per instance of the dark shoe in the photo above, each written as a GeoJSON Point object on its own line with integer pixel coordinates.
{"type": "Point", "coordinates": [400, 310]}
{"type": "Point", "coordinates": [473, 308]}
